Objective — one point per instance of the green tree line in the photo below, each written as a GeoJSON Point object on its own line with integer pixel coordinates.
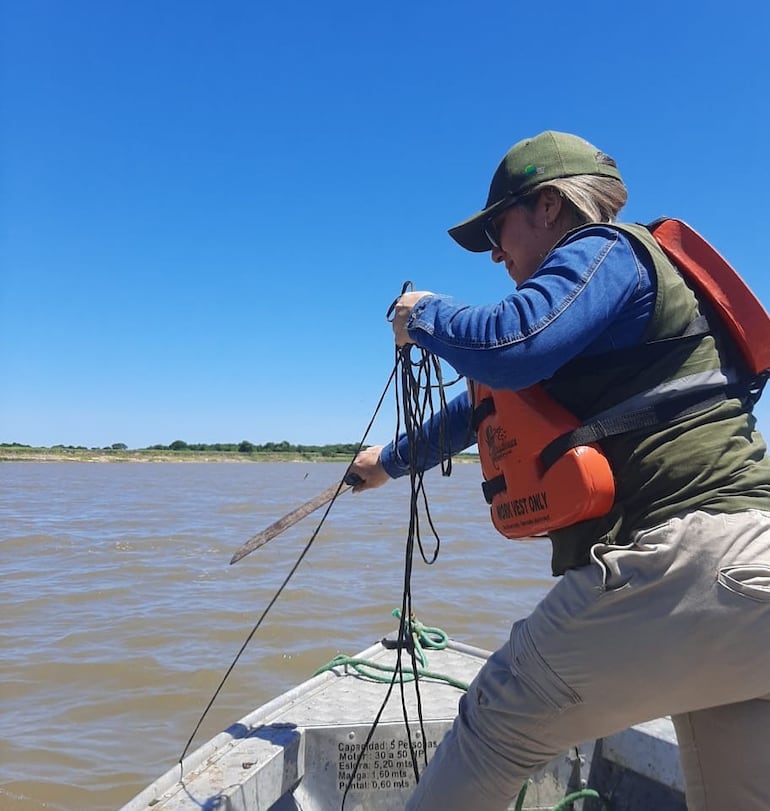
{"type": "Point", "coordinates": [342, 448]}
{"type": "Point", "coordinates": [339, 449]}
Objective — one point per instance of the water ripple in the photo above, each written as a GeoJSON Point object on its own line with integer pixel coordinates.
{"type": "Point", "coordinates": [121, 612]}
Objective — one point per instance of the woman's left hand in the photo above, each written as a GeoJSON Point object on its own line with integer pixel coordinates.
{"type": "Point", "coordinates": [401, 313]}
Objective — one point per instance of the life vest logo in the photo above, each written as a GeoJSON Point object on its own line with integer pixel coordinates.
{"type": "Point", "coordinates": [498, 444]}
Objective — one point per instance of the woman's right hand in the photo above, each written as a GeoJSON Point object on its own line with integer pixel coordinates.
{"type": "Point", "coordinates": [368, 468]}
{"type": "Point", "coordinates": [402, 310]}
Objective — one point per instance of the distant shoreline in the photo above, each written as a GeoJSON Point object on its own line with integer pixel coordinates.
{"type": "Point", "coordinates": [110, 455]}
{"type": "Point", "coordinates": [25, 454]}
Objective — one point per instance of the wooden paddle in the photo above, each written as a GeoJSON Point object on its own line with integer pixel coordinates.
{"type": "Point", "coordinates": [297, 514]}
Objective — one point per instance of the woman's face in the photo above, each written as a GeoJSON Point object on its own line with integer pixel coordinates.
{"type": "Point", "coordinates": [526, 234]}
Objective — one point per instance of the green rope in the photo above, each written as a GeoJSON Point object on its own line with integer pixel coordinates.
{"type": "Point", "coordinates": [423, 636]}
{"type": "Point", "coordinates": [364, 667]}
{"type": "Point", "coordinates": [579, 795]}
{"type": "Point", "coordinates": [566, 801]}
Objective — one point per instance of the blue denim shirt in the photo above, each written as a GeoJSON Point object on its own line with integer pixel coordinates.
{"type": "Point", "coordinates": [592, 294]}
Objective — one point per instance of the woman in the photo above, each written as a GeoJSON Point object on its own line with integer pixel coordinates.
{"type": "Point", "coordinates": [663, 604]}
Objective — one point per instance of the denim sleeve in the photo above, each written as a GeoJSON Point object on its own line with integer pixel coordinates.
{"type": "Point", "coordinates": [591, 294]}
{"type": "Point", "coordinates": [453, 436]}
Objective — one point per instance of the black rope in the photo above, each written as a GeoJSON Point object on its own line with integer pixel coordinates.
{"type": "Point", "coordinates": [414, 407]}
{"type": "Point", "coordinates": [288, 577]}
{"type": "Point", "coordinates": [415, 386]}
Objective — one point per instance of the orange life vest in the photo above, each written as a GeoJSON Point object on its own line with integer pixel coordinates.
{"type": "Point", "coordinates": [541, 471]}
{"type": "Point", "coordinates": [527, 498]}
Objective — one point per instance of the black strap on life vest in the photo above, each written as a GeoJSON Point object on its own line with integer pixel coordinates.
{"type": "Point", "coordinates": [485, 408]}
{"type": "Point", "coordinates": [666, 411]}
{"type": "Point", "coordinates": [481, 410]}
{"type": "Point", "coordinates": [492, 487]}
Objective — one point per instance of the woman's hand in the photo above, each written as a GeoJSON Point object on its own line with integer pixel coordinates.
{"type": "Point", "coordinates": [401, 312]}
{"type": "Point", "coordinates": [368, 467]}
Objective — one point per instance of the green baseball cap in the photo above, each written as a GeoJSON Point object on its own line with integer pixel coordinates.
{"type": "Point", "coordinates": [528, 163]}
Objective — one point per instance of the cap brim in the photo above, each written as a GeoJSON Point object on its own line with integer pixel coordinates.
{"type": "Point", "coordinates": [470, 233]}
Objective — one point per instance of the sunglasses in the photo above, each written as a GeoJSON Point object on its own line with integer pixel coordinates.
{"type": "Point", "coordinates": [491, 224]}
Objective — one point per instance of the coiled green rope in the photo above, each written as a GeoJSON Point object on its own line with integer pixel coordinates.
{"type": "Point", "coordinates": [422, 636]}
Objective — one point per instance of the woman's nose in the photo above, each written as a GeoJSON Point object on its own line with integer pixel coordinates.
{"type": "Point", "coordinates": [497, 255]}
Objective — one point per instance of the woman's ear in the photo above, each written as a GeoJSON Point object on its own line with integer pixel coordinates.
{"type": "Point", "coordinates": [549, 205]}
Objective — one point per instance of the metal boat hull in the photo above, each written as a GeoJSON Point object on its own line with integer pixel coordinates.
{"type": "Point", "coordinates": [311, 747]}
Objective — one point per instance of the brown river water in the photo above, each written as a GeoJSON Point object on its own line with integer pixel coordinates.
{"type": "Point", "coordinates": [121, 613]}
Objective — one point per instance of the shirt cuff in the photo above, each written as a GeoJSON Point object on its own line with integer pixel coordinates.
{"type": "Point", "coordinates": [392, 462]}
{"type": "Point", "coordinates": [415, 321]}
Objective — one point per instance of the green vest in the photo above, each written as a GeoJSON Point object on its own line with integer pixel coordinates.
{"type": "Point", "coordinates": [713, 459]}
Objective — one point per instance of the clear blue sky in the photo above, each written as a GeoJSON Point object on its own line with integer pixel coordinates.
{"type": "Point", "coordinates": [207, 207]}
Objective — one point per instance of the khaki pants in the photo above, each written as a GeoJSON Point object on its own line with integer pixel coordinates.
{"type": "Point", "coordinates": [677, 623]}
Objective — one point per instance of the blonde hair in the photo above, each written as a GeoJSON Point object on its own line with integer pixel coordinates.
{"type": "Point", "coordinates": [593, 198]}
